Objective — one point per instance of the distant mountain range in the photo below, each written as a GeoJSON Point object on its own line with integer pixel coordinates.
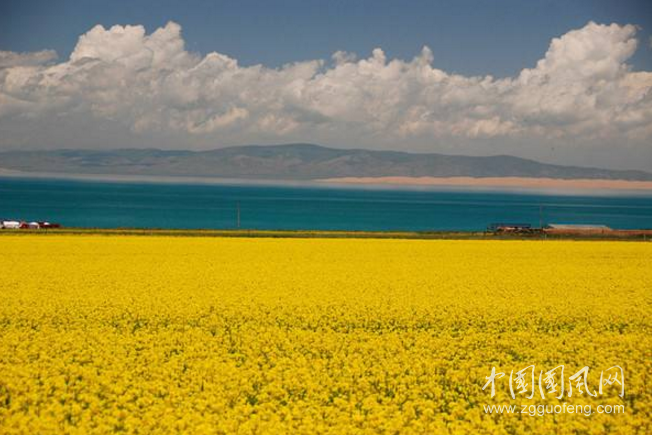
{"type": "Point", "coordinates": [294, 162]}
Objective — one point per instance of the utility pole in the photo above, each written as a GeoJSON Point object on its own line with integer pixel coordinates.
{"type": "Point", "coordinates": [540, 216]}
{"type": "Point", "coordinates": [238, 215]}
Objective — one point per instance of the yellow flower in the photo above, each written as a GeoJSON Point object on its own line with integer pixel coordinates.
{"type": "Point", "coordinates": [223, 335]}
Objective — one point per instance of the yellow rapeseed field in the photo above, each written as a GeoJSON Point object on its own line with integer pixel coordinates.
{"type": "Point", "coordinates": [103, 334]}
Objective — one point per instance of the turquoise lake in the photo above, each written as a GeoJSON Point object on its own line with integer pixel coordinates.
{"type": "Point", "coordinates": [104, 204]}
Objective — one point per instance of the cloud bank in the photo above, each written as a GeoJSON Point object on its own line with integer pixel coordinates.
{"type": "Point", "coordinates": [122, 84]}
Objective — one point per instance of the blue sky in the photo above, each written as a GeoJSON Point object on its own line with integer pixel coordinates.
{"type": "Point", "coordinates": [565, 82]}
{"type": "Point", "coordinates": [467, 37]}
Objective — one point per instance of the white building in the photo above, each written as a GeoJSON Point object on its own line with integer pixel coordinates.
{"type": "Point", "coordinates": [11, 225]}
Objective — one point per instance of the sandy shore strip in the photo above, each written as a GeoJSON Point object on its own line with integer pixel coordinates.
{"type": "Point", "coordinates": [523, 182]}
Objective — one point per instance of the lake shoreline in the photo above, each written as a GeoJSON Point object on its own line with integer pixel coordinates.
{"type": "Point", "coordinates": [462, 183]}
{"type": "Point", "coordinates": [498, 182]}
{"type": "Point", "coordinates": [624, 235]}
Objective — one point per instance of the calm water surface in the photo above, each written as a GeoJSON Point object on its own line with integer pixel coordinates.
{"type": "Point", "coordinates": [165, 205]}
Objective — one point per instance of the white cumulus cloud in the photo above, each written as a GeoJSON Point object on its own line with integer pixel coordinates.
{"type": "Point", "coordinates": [9, 59]}
{"type": "Point", "coordinates": [582, 91]}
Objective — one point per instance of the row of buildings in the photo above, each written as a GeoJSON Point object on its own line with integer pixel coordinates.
{"type": "Point", "coordinates": [10, 224]}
